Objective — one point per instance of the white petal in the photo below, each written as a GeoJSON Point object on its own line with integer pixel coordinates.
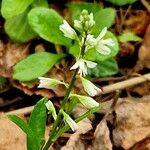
{"type": "Point", "coordinates": [75, 66]}
{"type": "Point", "coordinates": [86, 101]}
{"type": "Point", "coordinates": [68, 30]}
{"type": "Point", "coordinates": [108, 42]}
{"type": "Point", "coordinates": [89, 87]}
{"type": "Point", "coordinates": [104, 50]}
{"type": "Point", "coordinates": [73, 125]}
{"type": "Point", "coordinates": [51, 108]}
{"type": "Point", "coordinates": [90, 64]}
{"type": "Point", "coordinates": [102, 34]}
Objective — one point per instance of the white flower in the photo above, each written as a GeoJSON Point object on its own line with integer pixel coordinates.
{"type": "Point", "coordinates": [68, 30]}
{"type": "Point", "coordinates": [49, 83]}
{"type": "Point", "coordinates": [83, 65]}
{"type": "Point", "coordinates": [73, 125]}
{"type": "Point", "coordinates": [101, 45]}
{"type": "Point", "coordinates": [86, 101]}
{"type": "Point", "coordinates": [90, 42]}
{"type": "Point", "coordinates": [51, 108]}
{"type": "Point", "coordinates": [89, 87]}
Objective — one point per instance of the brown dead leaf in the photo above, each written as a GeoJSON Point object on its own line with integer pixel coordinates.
{"type": "Point", "coordinates": [10, 54]}
{"type": "Point", "coordinates": [132, 122]}
{"type": "Point", "coordinates": [138, 21]}
{"type": "Point", "coordinates": [144, 52]}
{"type": "Point", "coordinates": [101, 139]}
{"type": "Point", "coordinates": [141, 89]}
{"type": "Point", "coordinates": [75, 142]}
{"type": "Point", "coordinates": [142, 145]}
{"type": "Point", "coordinates": [12, 138]}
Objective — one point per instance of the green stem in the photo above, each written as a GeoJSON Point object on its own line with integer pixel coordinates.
{"type": "Point", "coordinates": [59, 116]}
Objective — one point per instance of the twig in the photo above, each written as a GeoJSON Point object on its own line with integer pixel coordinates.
{"type": "Point", "coordinates": [106, 89]}
{"type": "Point", "coordinates": [125, 84]}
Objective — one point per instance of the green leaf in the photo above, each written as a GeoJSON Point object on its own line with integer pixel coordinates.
{"type": "Point", "coordinates": [2, 81]}
{"type": "Point", "coordinates": [41, 3]}
{"type": "Point", "coordinates": [93, 55]}
{"type": "Point", "coordinates": [76, 8]}
{"type": "Point", "coordinates": [121, 2]}
{"type": "Point", "coordinates": [45, 22]}
{"type": "Point", "coordinates": [129, 37]}
{"type": "Point", "coordinates": [35, 65]}
{"type": "Point", "coordinates": [18, 28]}
{"type": "Point", "coordinates": [106, 68]}
{"type": "Point", "coordinates": [37, 121]}
{"type": "Point", "coordinates": [30, 134]}
{"type": "Point", "coordinates": [11, 8]}
{"type": "Point", "coordinates": [103, 18]}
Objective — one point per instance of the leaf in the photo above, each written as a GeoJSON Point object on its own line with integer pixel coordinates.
{"type": "Point", "coordinates": [106, 68]}
{"type": "Point", "coordinates": [45, 22]}
{"type": "Point", "coordinates": [121, 2]}
{"type": "Point", "coordinates": [129, 37]}
{"type": "Point", "coordinates": [37, 121]}
{"type": "Point", "coordinates": [18, 28]}
{"type": "Point", "coordinates": [76, 8]}
{"type": "Point", "coordinates": [12, 8]}
{"type": "Point", "coordinates": [2, 81]}
{"type": "Point", "coordinates": [103, 18]}
{"type": "Point", "coordinates": [41, 3]}
{"type": "Point", "coordinates": [35, 65]}
{"type": "Point", "coordinates": [93, 55]}
{"type": "Point", "coordinates": [24, 126]}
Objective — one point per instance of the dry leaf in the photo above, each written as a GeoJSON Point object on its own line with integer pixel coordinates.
{"type": "Point", "coordinates": [132, 122]}
{"type": "Point", "coordinates": [144, 52]}
{"type": "Point", "coordinates": [101, 137]}
{"type": "Point", "coordinates": [10, 54]}
{"type": "Point", "coordinates": [12, 137]}
{"type": "Point", "coordinates": [75, 142]}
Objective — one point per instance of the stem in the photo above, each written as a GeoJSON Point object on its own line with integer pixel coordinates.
{"type": "Point", "coordinates": [59, 117]}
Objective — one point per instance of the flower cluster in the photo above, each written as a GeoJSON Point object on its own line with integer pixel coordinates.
{"type": "Point", "coordinates": [86, 41]}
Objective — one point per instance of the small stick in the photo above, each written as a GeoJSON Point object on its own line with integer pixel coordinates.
{"type": "Point", "coordinates": [106, 89]}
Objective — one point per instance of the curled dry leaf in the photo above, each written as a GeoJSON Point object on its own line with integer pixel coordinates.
{"type": "Point", "coordinates": [101, 139]}
{"type": "Point", "coordinates": [75, 142]}
{"type": "Point", "coordinates": [11, 136]}
{"type": "Point", "coordinates": [132, 122]}
{"type": "Point", "coordinates": [10, 54]}
{"type": "Point", "coordinates": [144, 52]}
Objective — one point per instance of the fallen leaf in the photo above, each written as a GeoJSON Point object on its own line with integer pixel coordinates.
{"type": "Point", "coordinates": [101, 139]}
{"type": "Point", "coordinates": [10, 54]}
{"type": "Point", "coordinates": [132, 122]}
{"type": "Point", "coordinates": [75, 142]}
{"type": "Point", "coordinates": [142, 145]}
{"type": "Point", "coordinates": [144, 52]}
{"type": "Point", "coordinates": [12, 137]}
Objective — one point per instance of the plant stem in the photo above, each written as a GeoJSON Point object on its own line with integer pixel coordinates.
{"type": "Point", "coordinates": [59, 117]}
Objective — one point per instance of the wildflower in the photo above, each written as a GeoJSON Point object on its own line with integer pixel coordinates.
{"type": "Point", "coordinates": [49, 83]}
{"type": "Point", "coordinates": [86, 101]}
{"type": "Point", "coordinates": [51, 109]}
{"type": "Point", "coordinates": [73, 125]}
{"type": "Point", "coordinates": [68, 30]}
{"type": "Point", "coordinates": [101, 45]}
{"type": "Point", "coordinates": [89, 87]}
{"type": "Point", "coordinates": [83, 64]}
